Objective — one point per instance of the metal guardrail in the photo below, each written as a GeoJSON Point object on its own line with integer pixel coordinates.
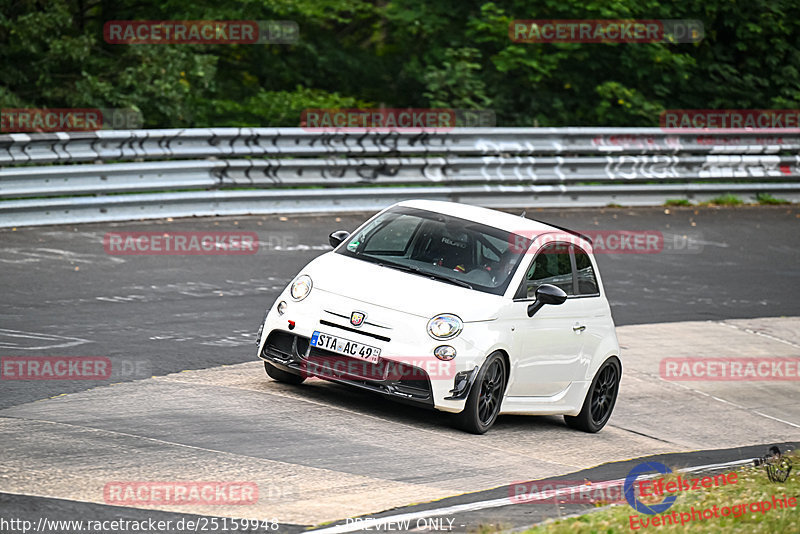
{"type": "Point", "coordinates": [118, 175]}
{"type": "Point", "coordinates": [127, 145]}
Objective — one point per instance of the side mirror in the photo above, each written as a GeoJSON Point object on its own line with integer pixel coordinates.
{"type": "Point", "coordinates": [337, 237]}
{"type": "Point", "coordinates": [546, 294]}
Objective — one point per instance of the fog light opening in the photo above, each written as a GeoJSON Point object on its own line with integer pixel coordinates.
{"type": "Point", "coordinates": [444, 352]}
{"type": "Point", "coordinates": [282, 307]}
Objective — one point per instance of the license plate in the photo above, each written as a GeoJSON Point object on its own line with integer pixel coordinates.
{"type": "Point", "coordinates": [345, 346]}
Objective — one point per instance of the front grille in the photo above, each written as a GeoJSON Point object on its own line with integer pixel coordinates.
{"type": "Point", "coordinates": [356, 330]}
{"type": "Point", "coordinates": [280, 342]}
{"type": "Point", "coordinates": [401, 380]}
{"type": "Point", "coordinates": [339, 364]}
{"type": "Point", "coordinates": [391, 376]}
{"type": "Point", "coordinates": [286, 346]}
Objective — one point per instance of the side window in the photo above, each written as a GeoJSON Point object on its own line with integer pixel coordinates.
{"type": "Point", "coordinates": [587, 283]}
{"type": "Point", "coordinates": [485, 253]}
{"type": "Point", "coordinates": [551, 266]}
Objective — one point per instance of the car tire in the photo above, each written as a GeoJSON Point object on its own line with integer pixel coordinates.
{"type": "Point", "coordinates": [283, 376]}
{"type": "Point", "coordinates": [600, 399]}
{"type": "Point", "coordinates": [485, 397]}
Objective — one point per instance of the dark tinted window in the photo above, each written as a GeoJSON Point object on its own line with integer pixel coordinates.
{"type": "Point", "coordinates": [551, 266]}
{"type": "Point", "coordinates": [587, 283]}
{"type": "Point", "coordinates": [447, 248]}
{"type": "Point", "coordinates": [393, 238]}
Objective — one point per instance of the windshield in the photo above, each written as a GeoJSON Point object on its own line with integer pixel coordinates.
{"type": "Point", "coordinates": [445, 248]}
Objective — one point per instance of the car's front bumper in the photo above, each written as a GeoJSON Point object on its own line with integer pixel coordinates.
{"type": "Point", "coordinates": [402, 338]}
{"type": "Point", "coordinates": [293, 353]}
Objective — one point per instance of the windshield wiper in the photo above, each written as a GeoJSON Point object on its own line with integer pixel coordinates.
{"type": "Point", "coordinates": [399, 267]}
{"type": "Point", "coordinates": [444, 278]}
{"type": "Point", "coordinates": [434, 276]}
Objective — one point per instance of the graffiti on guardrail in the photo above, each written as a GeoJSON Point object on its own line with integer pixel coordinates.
{"type": "Point", "coordinates": [294, 142]}
{"type": "Point", "coordinates": [736, 166]}
{"type": "Point", "coordinates": [202, 167]}
{"type": "Point", "coordinates": [614, 143]}
{"type": "Point", "coordinates": [705, 142]}
{"type": "Point", "coordinates": [665, 167]}
{"type": "Point", "coordinates": [660, 167]}
{"type": "Point", "coordinates": [654, 167]}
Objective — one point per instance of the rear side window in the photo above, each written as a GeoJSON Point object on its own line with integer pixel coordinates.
{"type": "Point", "coordinates": [551, 266]}
{"type": "Point", "coordinates": [587, 282]}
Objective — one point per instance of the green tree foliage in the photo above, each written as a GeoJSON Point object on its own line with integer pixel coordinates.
{"type": "Point", "coordinates": [400, 53]}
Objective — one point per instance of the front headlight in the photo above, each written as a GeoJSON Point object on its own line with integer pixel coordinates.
{"type": "Point", "coordinates": [301, 287]}
{"type": "Point", "coordinates": [445, 326]}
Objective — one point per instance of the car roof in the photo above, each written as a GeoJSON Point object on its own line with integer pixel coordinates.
{"type": "Point", "coordinates": [490, 217]}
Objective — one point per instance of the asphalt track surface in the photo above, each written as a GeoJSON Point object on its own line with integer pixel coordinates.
{"type": "Point", "coordinates": [62, 295]}
{"type": "Point", "coordinates": [156, 315]}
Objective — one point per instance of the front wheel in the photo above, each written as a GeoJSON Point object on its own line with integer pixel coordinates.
{"type": "Point", "coordinates": [483, 403]}
{"type": "Point", "coordinates": [282, 376]}
{"type": "Point", "coordinates": [600, 399]}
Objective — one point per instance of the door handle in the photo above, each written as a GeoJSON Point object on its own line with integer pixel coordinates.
{"type": "Point", "coordinates": [579, 328]}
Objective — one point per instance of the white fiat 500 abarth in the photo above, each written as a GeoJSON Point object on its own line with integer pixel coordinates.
{"type": "Point", "coordinates": [459, 308]}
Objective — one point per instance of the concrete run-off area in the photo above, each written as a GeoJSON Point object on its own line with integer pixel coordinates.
{"type": "Point", "coordinates": [321, 452]}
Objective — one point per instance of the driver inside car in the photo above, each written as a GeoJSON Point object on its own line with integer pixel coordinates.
{"type": "Point", "coordinates": [448, 248]}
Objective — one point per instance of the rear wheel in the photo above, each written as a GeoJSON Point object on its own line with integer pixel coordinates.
{"type": "Point", "coordinates": [283, 376]}
{"type": "Point", "coordinates": [483, 403]}
{"type": "Point", "coordinates": [600, 399]}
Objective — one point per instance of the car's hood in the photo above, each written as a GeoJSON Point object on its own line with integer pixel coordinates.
{"type": "Point", "coordinates": [396, 290]}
